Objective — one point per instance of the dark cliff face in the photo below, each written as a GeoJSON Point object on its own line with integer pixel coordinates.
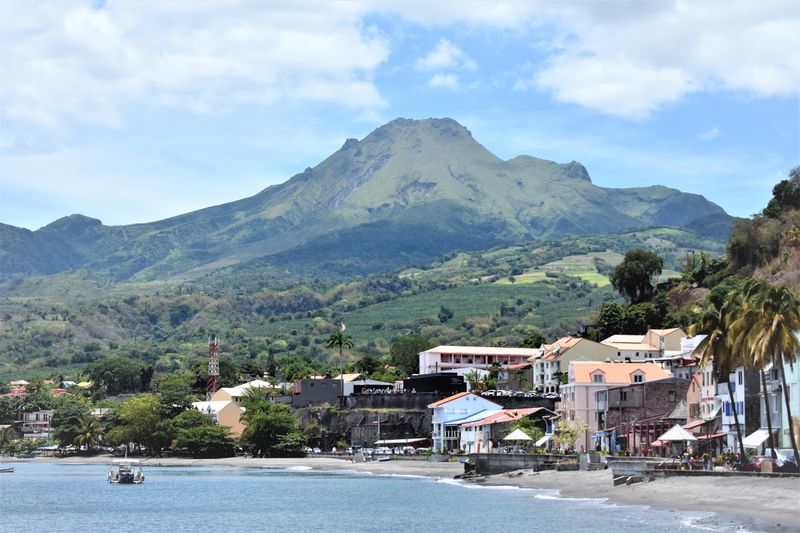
{"type": "Point", "coordinates": [406, 193]}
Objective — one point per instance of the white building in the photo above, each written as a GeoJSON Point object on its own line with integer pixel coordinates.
{"type": "Point", "coordinates": [653, 344]}
{"type": "Point", "coordinates": [477, 435]}
{"type": "Point", "coordinates": [450, 413]}
{"type": "Point", "coordinates": [36, 424]}
{"type": "Point", "coordinates": [449, 358]}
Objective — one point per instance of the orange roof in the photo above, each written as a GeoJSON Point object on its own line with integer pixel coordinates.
{"type": "Point", "coordinates": [558, 348]}
{"type": "Point", "coordinates": [581, 371]}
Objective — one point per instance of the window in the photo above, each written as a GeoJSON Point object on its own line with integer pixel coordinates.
{"type": "Point", "coordinates": [597, 378]}
{"type": "Point", "coordinates": [672, 396]}
{"type": "Point", "coordinates": [727, 408]}
{"type": "Point", "coordinates": [638, 378]}
{"type": "Point", "coordinates": [623, 396]}
{"type": "Point", "coordinates": [637, 354]}
{"type": "Point", "coordinates": [740, 377]}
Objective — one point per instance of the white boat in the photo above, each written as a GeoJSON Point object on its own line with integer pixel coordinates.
{"type": "Point", "coordinates": [126, 473]}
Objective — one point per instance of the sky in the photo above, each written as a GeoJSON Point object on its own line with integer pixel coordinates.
{"type": "Point", "coordinates": [134, 111]}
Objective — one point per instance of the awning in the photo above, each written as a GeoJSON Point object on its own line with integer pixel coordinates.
{"type": "Point", "coordinates": [656, 444]}
{"type": "Point", "coordinates": [695, 424]}
{"type": "Point", "coordinates": [712, 436]}
{"type": "Point", "coordinates": [543, 440]}
{"type": "Point", "coordinates": [755, 439]}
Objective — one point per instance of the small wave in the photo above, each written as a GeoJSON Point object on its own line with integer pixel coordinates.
{"type": "Point", "coordinates": [298, 468]}
{"type": "Point", "coordinates": [561, 498]}
{"type": "Point", "coordinates": [468, 485]}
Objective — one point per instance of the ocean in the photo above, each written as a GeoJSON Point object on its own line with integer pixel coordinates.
{"type": "Point", "coordinates": [77, 498]}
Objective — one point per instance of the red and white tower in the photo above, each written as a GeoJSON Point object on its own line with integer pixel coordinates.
{"type": "Point", "coordinates": [212, 385]}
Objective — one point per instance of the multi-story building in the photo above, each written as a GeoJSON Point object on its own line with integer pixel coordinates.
{"type": "Point", "coordinates": [630, 417]}
{"type": "Point", "coordinates": [36, 424]}
{"type": "Point", "coordinates": [745, 386]}
{"type": "Point", "coordinates": [579, 396]}
{"type": "Point", "coordinates": [444, 358]}
{"type": "Point", "coordinates": [555, 358]}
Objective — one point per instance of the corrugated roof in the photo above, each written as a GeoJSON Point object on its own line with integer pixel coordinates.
{"type": "Point", "coordinates": [632, 346]}
{"type": "Point", "coordinates": [506, 415]}
{"type": "Point", "coordinates": [623, 338]}
{"type": "Point", "coordinates": [212, 407]}
{"type": "Point", "coordinates": [615, 373]}
{"type": "Point", "coordinates": [348, 378]}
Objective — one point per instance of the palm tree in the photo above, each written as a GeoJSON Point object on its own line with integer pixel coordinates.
{"type": "Point", "coordinates": [773, 337]}
{"type": "Point", "coordinates": [340, 340]}
{"type": "Point", "coordinates": [743, 329]}
{"type": "Point", "coordinates": [88, 433]}
{"type": "Point", "coordinates": [717, 347]}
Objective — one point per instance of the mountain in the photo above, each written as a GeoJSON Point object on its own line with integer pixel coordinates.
{"type": "Point", "coordinates": [408, 192]}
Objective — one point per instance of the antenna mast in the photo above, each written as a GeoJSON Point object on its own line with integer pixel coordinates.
{"type": "Point", "coordinates": [212, 385]}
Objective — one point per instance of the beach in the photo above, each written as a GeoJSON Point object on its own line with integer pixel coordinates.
{"type": "Point", "coordinates": [757, 503]}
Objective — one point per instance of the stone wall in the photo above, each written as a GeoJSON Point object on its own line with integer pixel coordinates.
{"type": "Point", "coordinates": [498, 463]}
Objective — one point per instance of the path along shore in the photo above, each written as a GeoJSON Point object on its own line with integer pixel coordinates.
{"type": "Point", "coordinates": [756, 503]}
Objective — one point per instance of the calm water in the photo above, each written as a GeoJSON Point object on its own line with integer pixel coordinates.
{"type": "Point", "coordinates": [48, 497]}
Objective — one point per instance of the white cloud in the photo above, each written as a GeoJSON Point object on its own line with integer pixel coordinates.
{"type": "Point", "coordinates": [615, 87]}
{"type": "Point", "coordinates": [656, 53]}
{"type": "Point", "coordinates": [64, 62]}
{"type": "Point", "coordinates": [446, 56]}
{"type": "Point", "coordinates": [444, 81]}
{"type": "Point", "coordinates": [709, 134]}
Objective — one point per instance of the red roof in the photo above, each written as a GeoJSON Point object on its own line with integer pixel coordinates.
{"type": "Point", "coordinates": [506, 415]}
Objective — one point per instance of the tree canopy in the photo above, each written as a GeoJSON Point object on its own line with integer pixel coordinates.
{"type": "Point", "coordinates": [635, 277]}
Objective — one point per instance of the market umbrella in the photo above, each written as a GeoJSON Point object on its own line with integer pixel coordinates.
{"type": "Point", "coordinates": [677, 433]}
{"type": "Point", "coordinates": [517, 434]}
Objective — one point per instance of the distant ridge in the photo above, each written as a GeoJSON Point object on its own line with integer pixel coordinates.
{"type": "Point", "coordinates": [406, 193]}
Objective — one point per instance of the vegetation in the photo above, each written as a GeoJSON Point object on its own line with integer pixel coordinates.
{"type": "Point", "coordinates": [634, 277]}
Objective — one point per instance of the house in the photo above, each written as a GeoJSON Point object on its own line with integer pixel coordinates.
{"type": "Point", "coordinates": [555, 358]}
{"type": "Point", "coordinates": [451, 412]}
{"type": "Point", "coordinates": [235, 394]}
{"type": "Point", "coordinates": [483, 435]}
{"type": "Point", "coordinates": [655, 343]}
{"type": "Point", "coordinates": [224, 412]}
{"type": "Point", "coordinates": [444, 358]}
{"type": "Point", "coordinates": [579, 396]}
{"type": "Point", "coordinates": [36, 424]}
{"type": "Point", "coordinates": [632, 416]}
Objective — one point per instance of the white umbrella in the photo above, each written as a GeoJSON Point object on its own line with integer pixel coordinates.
{"type": "Point", "coordinates": [517, 434]}
{"type": "Point", "coordinates": [676, 433]}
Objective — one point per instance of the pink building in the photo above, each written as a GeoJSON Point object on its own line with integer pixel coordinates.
{"type": "Point", "coordinates": [583, 397]}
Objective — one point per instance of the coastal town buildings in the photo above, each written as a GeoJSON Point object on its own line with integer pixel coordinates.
{"type": "Point", "coordinates": [655, 343]}
{"type": "Point", "coordinates": [449, 413]}
{"type": "Point", "coordinates": [36, 424]}
{"type": "Point", "coordinates": [445, 358]}
{"type": "Point", "coordinates": [553, 361]}
{"type": "Point", "coordinates": [579, 397]}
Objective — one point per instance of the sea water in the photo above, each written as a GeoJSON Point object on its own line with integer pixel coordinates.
{"type": "Point", "coordinates": [77, 498]}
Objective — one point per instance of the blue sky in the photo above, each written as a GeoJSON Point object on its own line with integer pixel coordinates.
{"type": "Point", "coordinates": [135, 111]}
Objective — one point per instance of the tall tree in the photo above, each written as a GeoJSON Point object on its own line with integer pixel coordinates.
{"type": "Point", "coordinates": [88, 433]}
{"type": "Point", "coordinates": [776, 317]}
{"type": "Point", "coordinates": [404, 352]}
{"type": "Point", "coordinates": [717, 349]}
{"type": "Point", "coordinates": [635, 277]}
{"type": "Point", "coordinates": [339, 340]}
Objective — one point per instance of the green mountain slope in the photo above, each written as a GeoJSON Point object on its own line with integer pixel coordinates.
{"type": "Point", "coordinates": [406, 193]}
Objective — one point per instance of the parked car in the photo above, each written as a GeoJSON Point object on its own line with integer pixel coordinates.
{"type": "Point", "coordinates": [409, 450]}
{"type": "Point", "coordinates": [754, 464]}
{"type": "Point", "coordinates": [785, 462]}
{"type": "Point", "coordinates": [317, 450]}
{"type": "Point", "coordinates": [349, 451]}
{"type": "Point", "coordinates": [490, 392]}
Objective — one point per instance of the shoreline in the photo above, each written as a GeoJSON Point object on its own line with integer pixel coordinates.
{"type": "Point", "coordinates": [756, 504]}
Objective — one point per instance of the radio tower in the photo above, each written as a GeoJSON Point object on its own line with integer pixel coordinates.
{"type": "Point", "coordinates": [213, 368]}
